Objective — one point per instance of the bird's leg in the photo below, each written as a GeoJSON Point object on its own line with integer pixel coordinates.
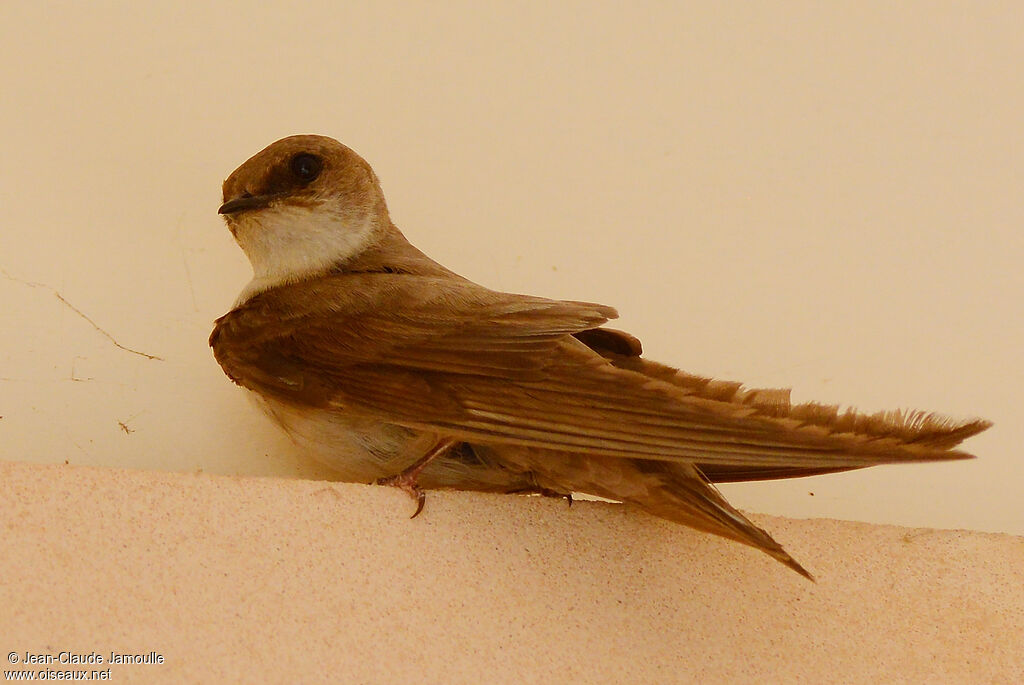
{"type": "Point", "coordinates": [406, 480]}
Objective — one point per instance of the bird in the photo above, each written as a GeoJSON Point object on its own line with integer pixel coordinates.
{"type": "Point", "coordinates": [390, 368]}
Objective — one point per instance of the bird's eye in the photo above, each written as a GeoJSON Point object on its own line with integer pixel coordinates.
{"type": "Point", "coordinates": [306, 167]}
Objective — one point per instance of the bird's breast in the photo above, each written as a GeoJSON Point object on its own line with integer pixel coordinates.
{"type": "Point", "coordinates": [360, 450]}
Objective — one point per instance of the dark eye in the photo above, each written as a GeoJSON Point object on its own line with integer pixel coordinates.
{"type": "Point", "coordinates": [306, 167]}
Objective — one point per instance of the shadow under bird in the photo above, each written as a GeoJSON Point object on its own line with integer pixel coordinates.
{"type": "Point", "coordinates": [391, 368]}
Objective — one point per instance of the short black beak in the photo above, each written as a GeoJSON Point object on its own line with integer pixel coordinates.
{"type": "Point", "coordinates": [245, 203]}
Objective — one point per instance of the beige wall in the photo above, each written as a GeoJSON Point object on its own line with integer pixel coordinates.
{"type": "Point", "coordinates": [780, 194]}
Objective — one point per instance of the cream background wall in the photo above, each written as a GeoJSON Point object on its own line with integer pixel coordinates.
{"type": "Point", "coordinates": [824, 197]}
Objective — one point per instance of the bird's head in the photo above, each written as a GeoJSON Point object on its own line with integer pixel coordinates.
{"type": "Point", "coordinates": [302, 206]}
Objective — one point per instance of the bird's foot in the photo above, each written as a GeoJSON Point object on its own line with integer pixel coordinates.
{"type": "Point", "coordinates": [407, 483]}
{"type": "Point", "coordinates": [407, 479]}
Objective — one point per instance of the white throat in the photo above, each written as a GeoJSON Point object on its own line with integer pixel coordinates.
{"type": "Point", "coordinates": [286, 243]}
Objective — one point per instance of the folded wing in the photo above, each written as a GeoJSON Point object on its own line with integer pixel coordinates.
{"type": "Point", "coordinates": [451, 357]}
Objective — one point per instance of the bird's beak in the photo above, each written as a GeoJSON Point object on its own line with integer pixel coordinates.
{"type": "Point", "coordinates": [246, 202]}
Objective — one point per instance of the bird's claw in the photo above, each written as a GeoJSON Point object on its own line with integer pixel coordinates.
{"type": "Point", "coordinates": [407, 479]}
{"type": "Point", "coordinates": [406, 483]}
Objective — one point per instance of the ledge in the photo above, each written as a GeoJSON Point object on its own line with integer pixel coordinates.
{"type": "Point", "coordinates": [272, 580]}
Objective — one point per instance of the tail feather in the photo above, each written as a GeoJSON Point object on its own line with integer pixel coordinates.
{"type": "Point", "coordinates": [686, 497]}
{"type": "Point", "coordinates": [676, 491]}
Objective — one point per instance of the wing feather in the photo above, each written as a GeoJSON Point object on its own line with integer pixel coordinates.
{"type": "Point", "coordinates": [448, 356]}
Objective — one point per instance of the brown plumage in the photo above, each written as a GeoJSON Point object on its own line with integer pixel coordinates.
{"type": "Point", "coordinates": [371, 354]}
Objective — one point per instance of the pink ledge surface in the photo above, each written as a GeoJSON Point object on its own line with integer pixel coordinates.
{"type": "Point", "coordinates": [272, 580]}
